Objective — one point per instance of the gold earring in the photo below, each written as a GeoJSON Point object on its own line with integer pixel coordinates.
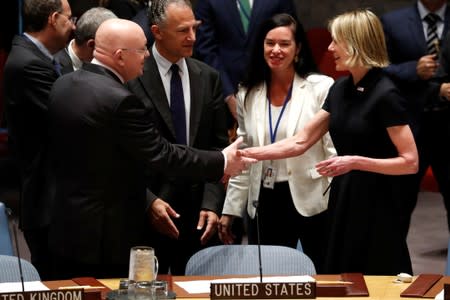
{"type": "Point", "coordinates": [296, 59]}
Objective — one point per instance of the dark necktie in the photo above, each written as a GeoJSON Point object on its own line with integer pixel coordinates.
{"type": "Point", "coordinates": [57, 66]}
{"type": "Point", "coordinates": [177, 105]}
{"type": "Point", "coordinates": [432, 37]}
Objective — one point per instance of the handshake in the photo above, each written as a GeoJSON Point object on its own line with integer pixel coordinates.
{"type": "Point", "coordinates": [235, 161]}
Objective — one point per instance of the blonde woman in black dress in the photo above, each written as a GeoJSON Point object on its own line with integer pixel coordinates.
{"type": "Point", "coordinates": [368, 123]}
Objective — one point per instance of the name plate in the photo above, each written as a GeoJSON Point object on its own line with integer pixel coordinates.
{"type": "Point", "coordinates": [266, 290]}
{"type": "Point", "coordinates": [446, 291]}
{"type": "Point", "coordinates": [75, 294]}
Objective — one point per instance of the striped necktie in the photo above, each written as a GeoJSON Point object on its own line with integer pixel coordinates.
{"type": "Point", "coordinates": [432, 37]}
{"type": "Point", "coordinates": [245, 11]}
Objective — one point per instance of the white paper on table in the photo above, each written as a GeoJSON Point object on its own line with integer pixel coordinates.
{"type": "Point", "coordinates": [440, 296]}
{"type": "Point", "coordinates": [10, 287]}
{"type": "Point", "coordinates": [204, 286]}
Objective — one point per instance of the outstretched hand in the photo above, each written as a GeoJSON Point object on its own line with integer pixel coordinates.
{"type": "Point", "coordinates": [236, 163]}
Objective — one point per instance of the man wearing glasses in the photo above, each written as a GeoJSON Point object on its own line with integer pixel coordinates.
{"type": "Point", "coordinates": [29, 74]}
{"type": "Point", "coordinates": [101, 141]}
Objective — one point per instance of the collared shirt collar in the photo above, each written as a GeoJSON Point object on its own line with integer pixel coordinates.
{"type": "Point", "coordinates": [76, 61]}
{"type": "Point", "coordinates": [164, 65]}
{"type": "Point", "coordinates": [39, 45]}
{"type": "Point", "coordinates": [423, 11]}
{"type": "Point", "coordinates": [97, 62]}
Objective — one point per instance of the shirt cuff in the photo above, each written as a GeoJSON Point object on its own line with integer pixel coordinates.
{"type": "Point", "coordinates": [224, 162]}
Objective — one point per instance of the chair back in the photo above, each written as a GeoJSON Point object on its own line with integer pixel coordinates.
{"type": "Point", "coordinates": [6, 247]}
{"type": "Point", "coordinates": [243, 260]}
{"type": "Point", "coordinates": [9, 266]}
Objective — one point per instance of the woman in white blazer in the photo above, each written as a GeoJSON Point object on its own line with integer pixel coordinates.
{"type": "Point", "coordinates": [275, 101]}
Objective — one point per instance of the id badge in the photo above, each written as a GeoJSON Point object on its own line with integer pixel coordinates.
{"type": "Point", "coordinates": [269, 177]}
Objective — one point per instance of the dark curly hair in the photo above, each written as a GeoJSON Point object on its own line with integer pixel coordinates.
{"type": "Point", "coordinates": [258, 71]}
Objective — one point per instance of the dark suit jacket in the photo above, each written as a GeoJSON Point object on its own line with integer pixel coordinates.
{"type": "Point", "coordinates": [443, 72]}
{"type": "Point", "coordinates": [207, 130]}
{"type": "Point", "coordinates": [101, 140]}
{"type": "Point", "coordinates": [64, 60]}
{"type": "Point", "coordinates": [28, 78]}
{"type": "Point", "coordinates": [221, 40]}
{"type": "Point", "coordinates": [141, 18]}
{"type": "Point", "coordinates": [406, 44]}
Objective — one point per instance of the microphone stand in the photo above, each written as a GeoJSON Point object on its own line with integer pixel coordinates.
{"type": "Point", "coordinates": [9, 213]}
{"type": "Point", "coordinates": [256, 205]}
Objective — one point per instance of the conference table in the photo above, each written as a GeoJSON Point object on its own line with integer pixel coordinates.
{"type": "Point", "coordinates": [380, 288]}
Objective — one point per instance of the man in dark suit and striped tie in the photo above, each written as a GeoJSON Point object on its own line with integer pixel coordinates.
{"type": "Point", "coordinates": [413, 37]}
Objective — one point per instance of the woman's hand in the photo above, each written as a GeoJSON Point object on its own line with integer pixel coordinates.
{"type": "Point", "coordinates": [335, 166]}
{"type": "Point", "coordinates": [226, 236]}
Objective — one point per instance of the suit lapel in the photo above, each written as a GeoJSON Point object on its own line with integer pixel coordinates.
{"type": "Point", "coordinates": [257, 6]}
{"type": "Point", "coordinates": [260, 106]}
{"type": "Point", "coordinates": [154, 88]}
{"type": "Point", "coordinates": [416, 29]}
{"type": "Point", "coordinates": [65, 61]}
{"type": "Point", "coordinates": [446, 22]}
{"type": "Point", "coordinates": [296, 108]}
{"type": "Point", "coordinates": [230, 9]}
{"type": "Point", "coordinates": [197, 97]}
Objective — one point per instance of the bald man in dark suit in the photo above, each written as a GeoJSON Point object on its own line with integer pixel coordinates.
{"type": "Point", "coordinates": [101, 140]}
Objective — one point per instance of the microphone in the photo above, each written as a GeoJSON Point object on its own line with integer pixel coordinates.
{"type": "Point", "coordinates": [256, 205]}
{"type": "Point", "coordinates": [9, 213]}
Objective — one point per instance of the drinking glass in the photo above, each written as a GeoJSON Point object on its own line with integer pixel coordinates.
{"type": "Point", "coordinates": [143, 264]}
{"type": "Point", "coordinates": [159, 289]}
{"type": "Point", "coordinates": [143, 269]}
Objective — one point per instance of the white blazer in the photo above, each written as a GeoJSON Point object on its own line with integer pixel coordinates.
{"type": "Point", "coordinates": [306, 185]}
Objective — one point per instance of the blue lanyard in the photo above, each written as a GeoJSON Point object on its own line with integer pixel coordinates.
{"type": "Point", "coordinates": [273, 134]}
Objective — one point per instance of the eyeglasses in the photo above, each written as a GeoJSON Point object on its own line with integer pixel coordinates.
{"type": "Point", "coordinates": [73, 20]}
{"type": "Point", "coordinates": [140, 51]}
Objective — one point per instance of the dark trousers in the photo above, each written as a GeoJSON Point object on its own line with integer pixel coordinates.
{"type": "Point", "coordinates": [37, 241]}
{"type": "Point", "coordinates": [281, 224]}
{"type": "Point", "coordinates": [433, 143]}
{"type": "Point", "coordinates": [172, 254]}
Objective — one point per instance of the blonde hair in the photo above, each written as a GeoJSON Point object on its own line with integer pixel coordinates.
{"type": "Point", "coordinates": [362, 34]}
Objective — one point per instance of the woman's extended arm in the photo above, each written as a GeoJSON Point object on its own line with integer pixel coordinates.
{"type": "Point", "coordinates": [294, 145]}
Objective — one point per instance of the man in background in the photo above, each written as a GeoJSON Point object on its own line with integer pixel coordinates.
{"type": "Point", "coordinates": [29, 74]}
{"type": "Point", "coordinates": [227, 33]}
{"type": "Point", "coordinates": [413, 37]}
{"type": "Point", "coordinates": [81, 47]}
